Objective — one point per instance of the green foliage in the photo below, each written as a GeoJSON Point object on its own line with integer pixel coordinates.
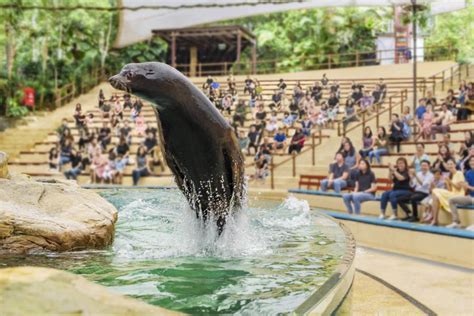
{"type": "Point", "coordinates": [456, 30]}
{"type": "Point", "coordinates": [14, 108]}
{"type": "Point", "coordinates": [293, 35]}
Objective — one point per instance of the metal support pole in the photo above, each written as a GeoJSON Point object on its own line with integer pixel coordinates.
{"type": "Point", "coordinates": [293, 158]}
{"type": "Point", "coordinates": [173, 50]}
{"type": "Point", "coordinates": [413, 2]}
{"type": "Point", "coordinates": [272, 179]}
{"type": "Point", "coordinates": [313, 157]}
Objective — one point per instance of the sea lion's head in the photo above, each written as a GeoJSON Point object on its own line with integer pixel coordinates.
{"type": "Point", "coordinates": [144, 79]}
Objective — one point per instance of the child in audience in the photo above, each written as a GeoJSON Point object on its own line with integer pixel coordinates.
{"type": "Point", "coordinates": [280, 140]}
{"type": "Point", "coordinates": [438, 183]}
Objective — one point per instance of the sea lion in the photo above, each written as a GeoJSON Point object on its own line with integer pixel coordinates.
{"type": "Point", "coordinates": [199, 145]}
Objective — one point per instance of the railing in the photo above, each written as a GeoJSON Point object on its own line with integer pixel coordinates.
{"type": "Point", "coordinates": [293, 157]}
{"type": "Point", "coordinates": [342, 126]}
{"type": "Point", "coordinates": [67, 92]}
{"type": "Point", "coordinates": [311, 62]}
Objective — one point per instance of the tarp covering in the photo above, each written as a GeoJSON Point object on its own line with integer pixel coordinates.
{"type": "Point", "coordinates": [136, 25]}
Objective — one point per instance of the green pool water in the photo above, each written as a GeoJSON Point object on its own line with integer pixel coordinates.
{"type": "Point", "coordinates": [268, 260]}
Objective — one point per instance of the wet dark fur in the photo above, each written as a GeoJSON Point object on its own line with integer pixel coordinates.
{"type": "Point", "coordinates": [199, 145]}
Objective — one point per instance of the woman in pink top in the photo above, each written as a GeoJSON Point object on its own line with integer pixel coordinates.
{"type": "Point", "coordinates": [426, 124]}
{"type": "Point", "coordinates": [140, 125]}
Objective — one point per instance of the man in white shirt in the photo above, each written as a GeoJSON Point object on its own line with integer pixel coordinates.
{"type": "Point", "coordinates": [421, 183]}
{"type": "Point", "coordinates": [442, 123]}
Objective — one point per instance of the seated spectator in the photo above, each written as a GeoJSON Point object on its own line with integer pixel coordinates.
{"type": "Point", "coordinates": [53, 159]}
{"type": "Point", "coordinates": [455, 183]}
{"type": "Point", "coordinates": [272, 125]}
{"type": "Point", "coordinates": [105, 110]}
{"type": "Point", "coordinates": [78, 164]}
{"type": "Point", "coordinates": [420, 110]}
{"type": "Point", "coordinates": [419, 157]}
{"type": "Point", "coordinates": [150, 143]}
{"type": "Point", "coordinates": [276, 98]}
{"type": "Point", "coordinates": [464, 164]}
{"type": "Point", "coordinates": [244, 142]}
{"type": "Point", "coordinates": [306, 125]}
{"type": "Point", "coordinates": [66, 152]}
{"type": "Point", "coordinates": [79, 118]}
{"type": "Point", "coordinates": [334, 88]}
{"type": "Point", "coordinates": [338, 175]}
{"type": "Point", "coordinates": [126, 132]}
{"type": "Point", "coordinates": [118, 109]}
{"type": "Point", "coordinates": [254, 137]}
{"type": "Point", "coordinates": [431, 100]}
{"type": "Point", "coordinates": [258, 90]}
{"type": "Point", "coordinates": [97, 167]}
{"type": "Point", "coordinates": [383, 88]}
{"type": "Point", "coordinates": [426, 124]}
{"type": "Point", "coordinates": [288, 120]}
{"type": "Point", "coordinates": [466, 144]}
{"type": "Point", "coordinates": [63, 129]}
{"type": "Point", "coordinates": [120, 164]}
{"type": "Point", "coordinates": [226, 103]}
{"type": "Point", "coordinates": [137, 109]}
{"type": "Point", "coordinates": [396, 131]}
{"type": "Point", "coordinates": [298, 93]}
{"type": "Point", "coordinates": [297, 142]}
{"type": "Point", "coordinates": [140, 125]}
{"type": "Point", "coordinates": [377, 95]}
{"type": "Point", "coordinates": [105, 135]}
{"type": "Point", "coordinates": [438, 183]}
{"type": "Point", "coordinates": [444, 155]}
{"type": "Point", "coordinates": [367, 101]}
{"type": "Point", "coordinates": [280, 140]}
{"type": "Point", "coordinates": [351, 160]}
{"type": "Point", "coordinates": [367, 143]}
{"type": "Point", "coordinates": [406, 119]}
{"type": "Point", "coordinates": [240, 113]}
{"type": "Point", "coordinates": [249, 85]}
{"type": "Point", "coordinates": [260, 114]}
{"type": "Point", "coordinates": [451, 101]}
{"type": "Point", "coordinates": [421, 184]}
{"type": "Point", "coordinates": [324, 80]}
{"type": "Point", "coordinates": [466, 101]}
{"type": "Point", "coordinates": [317, 92]}
{"type": "Point", "coordinates": [127, 102]}
{"type": "Point", "coordinates": [460, 200]}
{"type": "Point", "coordinates": [351, 115]}
{"type": "Point", "coordinates": [142, 167]}
{"type": "Point", "coordinates": [380, 146]}
{"type": "Point", "coordinates": [401, 187]}
{"type": "Point", "coordinates": [306, 103]}
{"type": "Point", "coordinates": [261, 167]}
{"type": "Point", "coordinates": [357, 95]}
{"type": "Point", "coordinates": [123, 149]}
{"type": "Point", "coordinates": [442, 123]}
{"type": "Point", "coordinates": [364, 188]}
{"type": "Point", "coordinates": [282, 86]}
{"type": "Point", "coordinates": [109, 173]}
{"type": "Point", "coordinates": [333, 102]}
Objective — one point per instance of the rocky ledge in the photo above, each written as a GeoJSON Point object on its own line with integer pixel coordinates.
{"type": "Point", "coordinates": [52, 215]}
{"type": "Point", "coordinates": [41, 291]}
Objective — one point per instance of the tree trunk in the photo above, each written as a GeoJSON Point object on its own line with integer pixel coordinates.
{"type": "Point", "coordinates": [104, 49]}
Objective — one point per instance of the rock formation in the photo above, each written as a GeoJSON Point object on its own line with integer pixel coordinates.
{"type": "Point", "coordinates": [52, 215]}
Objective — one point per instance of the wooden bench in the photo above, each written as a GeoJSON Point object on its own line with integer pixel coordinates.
{"type": "Point", "coordinates": [315, 181]}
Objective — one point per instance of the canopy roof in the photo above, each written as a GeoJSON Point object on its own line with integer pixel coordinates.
{"type": "Point", "coordinates": [137, 25]}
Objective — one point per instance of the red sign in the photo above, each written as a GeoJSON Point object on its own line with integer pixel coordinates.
{"type": "Point", "coordinates": [29, 97]}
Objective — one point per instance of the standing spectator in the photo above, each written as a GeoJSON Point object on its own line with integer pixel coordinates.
{"type": "Point", "coordinates": [338, 175]}
{"type": "Point", "coordinates": [421, 184]}
{"type": "Point", "coordinates": [455, 183]}
{"type": "Point", "coordinates": [142, 168]}
{"type": "Point", "coordinates": [380, 146]}
{"type": "Point", "coordinates": [419, 157]}
{"type": "Point", "coordinates": [297, 142]}
{"type": "Point", "coordinates": [401, 187]}
{"type": "Point", "coordinates": [467, 200]}
{"type": "Point", "coordinates": [367, 143]}
{"type": "Point", "coordinates": [364, 190]}
{"type": "Point", "coordinates": [396, 131]}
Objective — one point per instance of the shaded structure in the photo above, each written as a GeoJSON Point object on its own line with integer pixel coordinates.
{"type": "Point", "coordinates": [198, 51]}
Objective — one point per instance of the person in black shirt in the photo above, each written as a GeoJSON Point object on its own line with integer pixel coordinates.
{"type": "Point", "coordinates": [324, 80]}
{"type": "Point", "coordinates": [377, 95]}
{"type": "Point", "coordinates": [104, 135]}
{"type": "Point", "coordinates": [282, 86]}
{"type": "Point", "coordinates": [249, 85]}
{"type": "Point", "coordinates": [122, 148]}
{"type": "Point", "coordinates": [276, 98]}
{"type": "Point", "coordinates": [365, 188]}
{"type": "Point", "coordinates": [317, 92]}
{"type": "Point", "coordinates": [333, 101]}
{"type": "Point", "coordinates": [357, 95]}
{"type": "Point", "coordinates": [150, 143]}
{"type": "Point", "coordinates": [396, 131]}
{"type": "Point", "coordinates": [401, 187]}
{"type": "Point", "coordinates": [150, 129]}
{"type": "Point", "coordinates": [254, 137]}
